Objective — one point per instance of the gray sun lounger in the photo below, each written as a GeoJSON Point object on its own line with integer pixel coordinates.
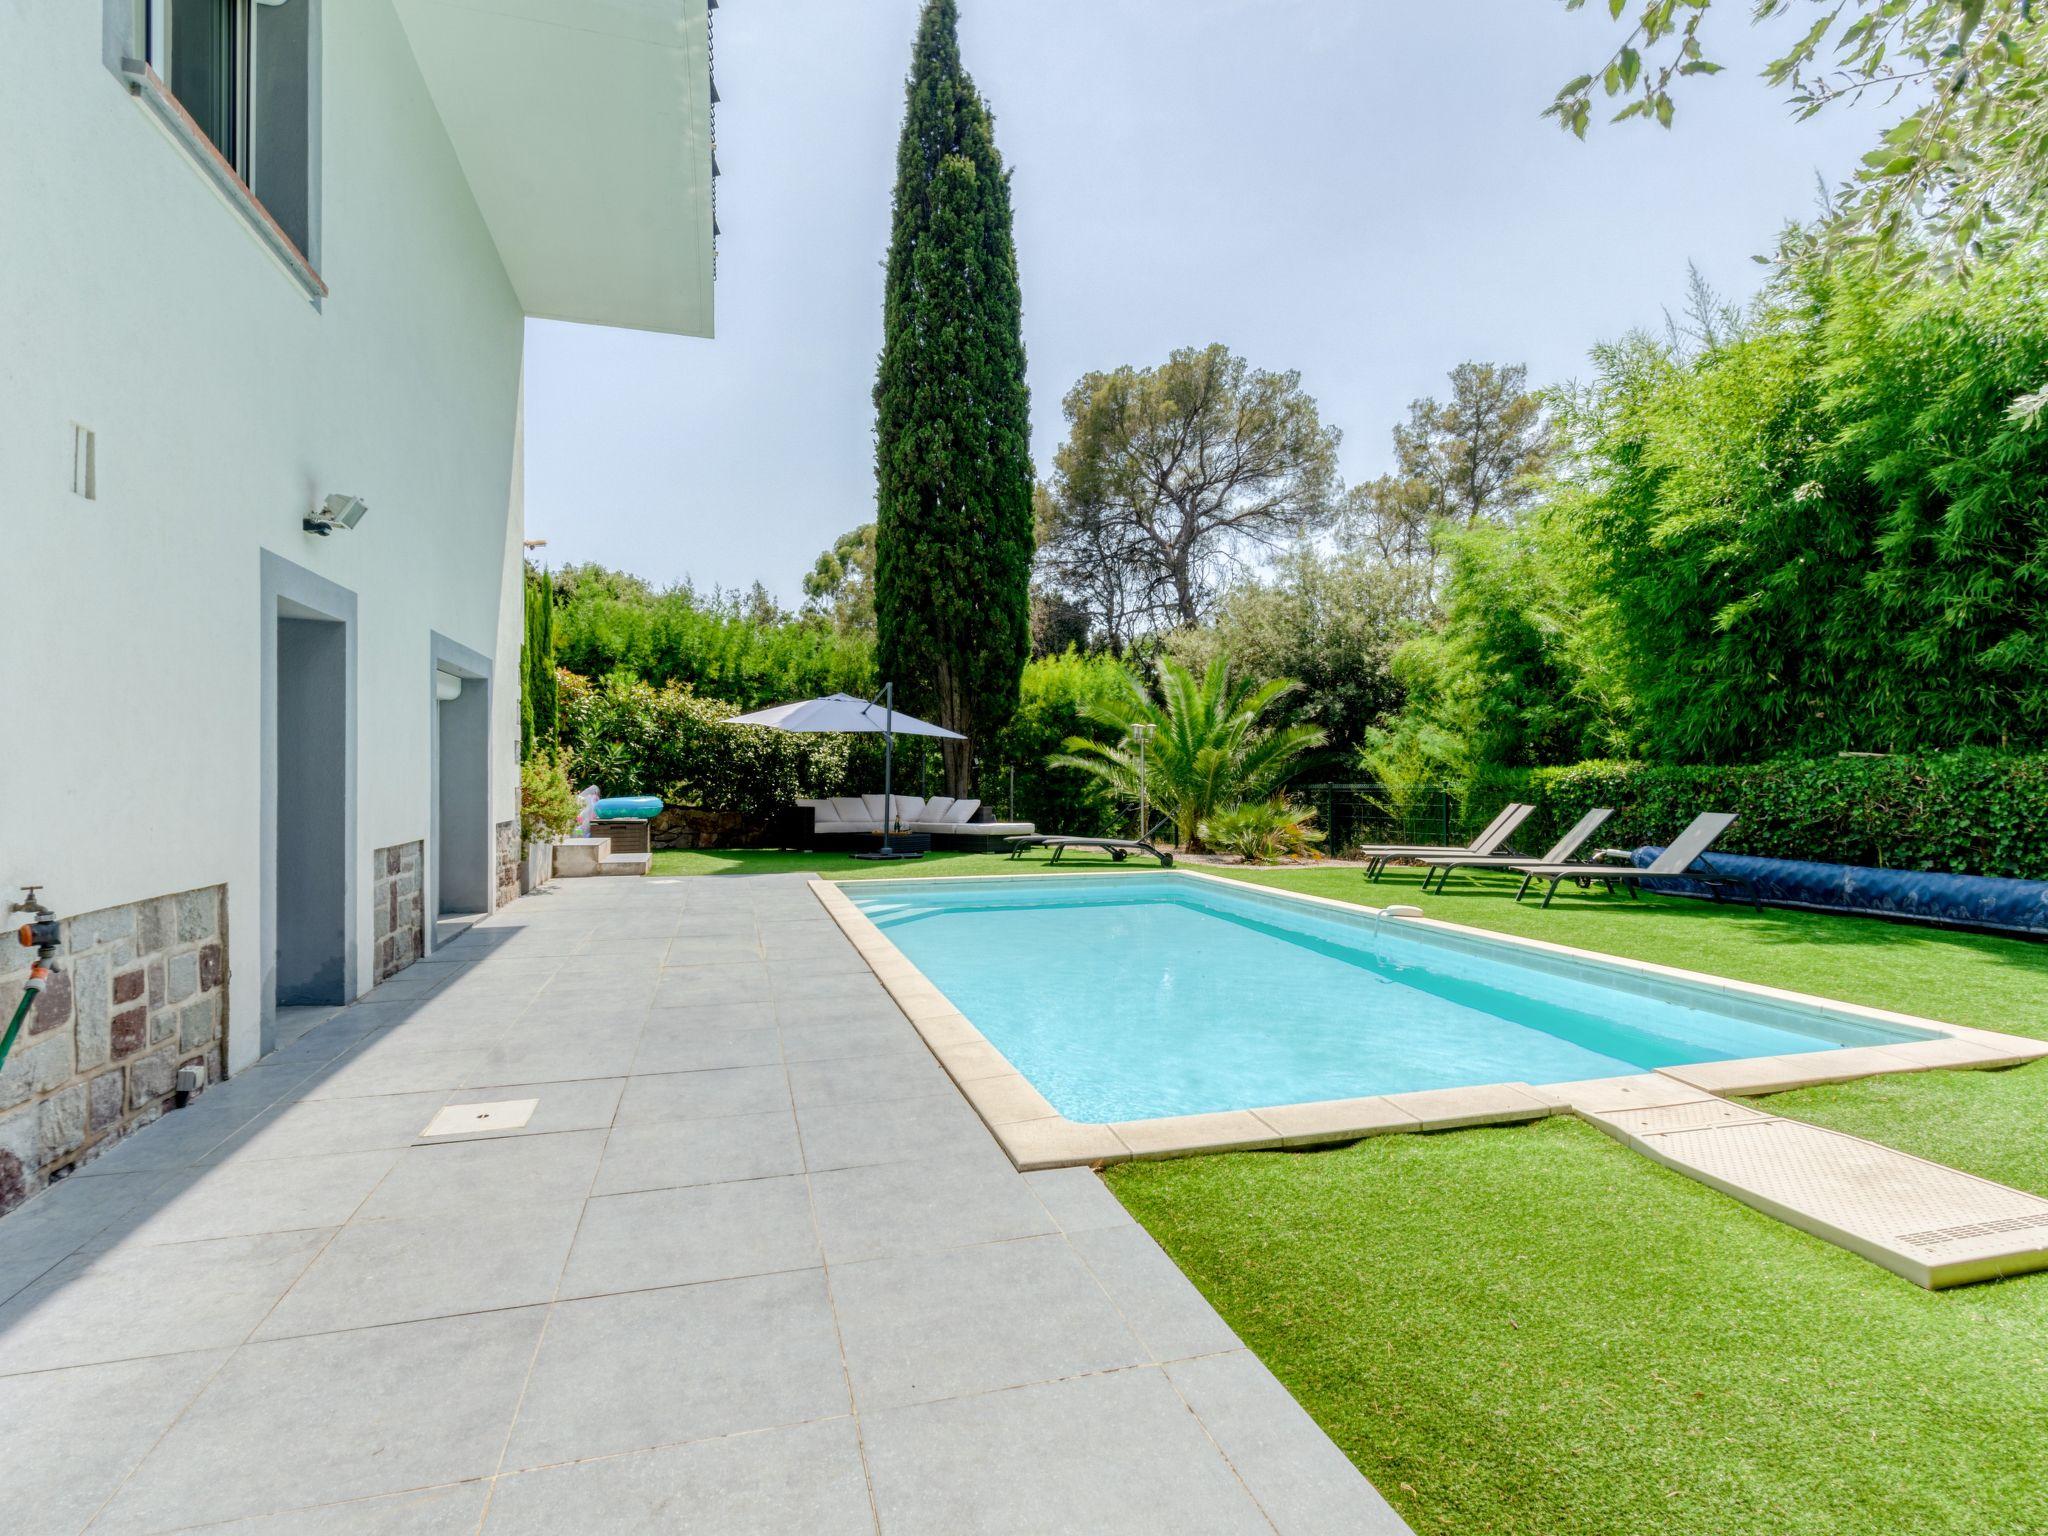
{"type": "Point", "coordinates": [1490, 841]}
{"type": "Point", "coordinates": [1118, 848]}
{"type": "Point", "coordinates": [1686, 856]}
{"type": "Point", "coordinates": [1441, 865]}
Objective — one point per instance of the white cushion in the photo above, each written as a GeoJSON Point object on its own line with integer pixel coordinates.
{"type": "Point", "coordinates": [874, 807]}
{"type": "Point", "coordinates": [935, 808]}
{"type": "Point", "coordinates": [909, 808]}
{"type": "Point", "coordinates": [961, 812]}
{"type": "Point", "coordinates": [850, 808]}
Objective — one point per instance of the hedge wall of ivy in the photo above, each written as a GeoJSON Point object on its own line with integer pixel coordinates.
{"type": "Point", "coordinates": [1972, 812]}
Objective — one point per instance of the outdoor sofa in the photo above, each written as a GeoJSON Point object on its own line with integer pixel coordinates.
{"type": "Point", "coordinates": [855, 821]}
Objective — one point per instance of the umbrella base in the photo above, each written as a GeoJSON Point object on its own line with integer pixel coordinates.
{"type": "Point", "coordinates": [890, 853]}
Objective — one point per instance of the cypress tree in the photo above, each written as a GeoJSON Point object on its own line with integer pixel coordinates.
{"type": "Point", "coordinates": [538, 689]}
{"type": "Point", "coordinates": [547, 709]}
{"type": "Point", "coordinates": [952, 433]}
{"type": "Point", "coordinates": [526, 668]}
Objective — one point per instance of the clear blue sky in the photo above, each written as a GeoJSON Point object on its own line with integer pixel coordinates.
{"type": "Point", "coordinates": [1359, 190]}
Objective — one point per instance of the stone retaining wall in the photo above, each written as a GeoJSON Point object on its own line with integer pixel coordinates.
{"type": "Point", "coordinates": [508, 862]}
{"type": "Point", "coordinates": [398, 906]}
{"type": "Point", "coordinates": [139, 991]}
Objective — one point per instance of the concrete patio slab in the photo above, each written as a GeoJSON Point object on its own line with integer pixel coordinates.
{"type": "Point", "coordinates": [941, 1468]}
{"type": "Point", "coordinates": [690, 1286]}
{"type": "Point", "coordinates": [339, 1416]}
{"type": "Point", "coordinates": [671, 1153]}
{"type": "Point", "coordinates": [736, 1355]}
{"type": "Point", "coordinates": [891, 1210]}
{"type": "Point", "coordinates": [808, 1478]}
{"type": "Point", "coordinates": [75, 1434]}
{"type": "Point", "coordinates": [972, 1320]}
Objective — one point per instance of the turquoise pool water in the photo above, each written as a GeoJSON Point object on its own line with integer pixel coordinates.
{"type": "Point", "coordinates": [1127, 997]}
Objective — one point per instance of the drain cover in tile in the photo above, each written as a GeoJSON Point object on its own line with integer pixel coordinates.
{"type": "Point", "coordinates": [466, 1119]}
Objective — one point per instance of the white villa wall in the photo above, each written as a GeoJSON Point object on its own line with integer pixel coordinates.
{"type": "Point", "coordinates": [225, 406]}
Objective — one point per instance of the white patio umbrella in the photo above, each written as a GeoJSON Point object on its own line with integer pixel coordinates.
{"type": "Point", "coordinates": [843, 714]}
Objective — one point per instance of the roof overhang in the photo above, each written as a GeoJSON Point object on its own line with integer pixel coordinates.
{"type": "Point", "coordinates": [584, 129]}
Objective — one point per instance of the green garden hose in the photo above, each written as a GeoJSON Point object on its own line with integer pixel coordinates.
{"type": "Point", "coordinates": [41, 935]}
{"type": "Point", "coordinates": [28, 1001]}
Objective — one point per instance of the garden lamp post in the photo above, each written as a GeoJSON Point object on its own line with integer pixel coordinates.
{"type": "Point", "coordinates": [1142, 732]}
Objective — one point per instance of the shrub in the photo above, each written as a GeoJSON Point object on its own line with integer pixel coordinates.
{"type": "Point", "coordinates": [547, 803]}
{"type": "Point", "coordinates": [1978, 811]}
{"type": "Point", "coordinates": [1210, 744]}
{"type": "Point", "coordinates": [630, 737]}
{"type": "Point", "coordinates": [1053, 704]}
{"type": "Point", "coordinates": [1258, 830]}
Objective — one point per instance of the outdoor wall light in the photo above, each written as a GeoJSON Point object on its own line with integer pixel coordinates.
{"type": "Point", "coordinates": [337, 511]}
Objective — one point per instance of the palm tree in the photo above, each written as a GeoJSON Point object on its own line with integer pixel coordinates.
{"type": "Point", "coordinates": [1209, 751]}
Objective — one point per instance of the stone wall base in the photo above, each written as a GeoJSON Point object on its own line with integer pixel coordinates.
{"type": "Point", "coordinates": [508, 863]}
{"type": "Point", "coordinates": [139, 991]}
{"type": "Point", "coordinates": [398, 906]}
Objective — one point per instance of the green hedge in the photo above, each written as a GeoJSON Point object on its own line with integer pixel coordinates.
{"type": "Point", "coordinates": [631, 738]}
{"type": "Point", "coordinates": [1975, 812]}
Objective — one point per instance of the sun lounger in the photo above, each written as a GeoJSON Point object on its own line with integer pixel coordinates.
{"type": "Point", "coordinates": [1119, 848]}
{"type": "Point", "coordinates": [1491, 840]}
{"type": "Point", "coordinates": [1561, 852]}
{"type": "Point", "coordinates": [1686, 856]}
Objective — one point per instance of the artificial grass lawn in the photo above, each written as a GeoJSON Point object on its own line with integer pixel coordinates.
{"type": "Point", "coordinates": [1536, 1330]}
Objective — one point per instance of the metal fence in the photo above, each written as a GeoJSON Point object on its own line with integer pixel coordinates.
{"type": "Point", "coordinates": [1352, 814]}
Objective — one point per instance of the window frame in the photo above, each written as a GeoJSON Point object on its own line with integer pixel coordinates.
{"type": "Point", "coordinates": [137, 36]}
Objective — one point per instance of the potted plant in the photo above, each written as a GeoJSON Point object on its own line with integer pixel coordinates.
{"type": "Point", "coordinates": [547, 811]}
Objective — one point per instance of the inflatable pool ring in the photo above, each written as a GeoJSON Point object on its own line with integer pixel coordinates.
{"type": "Point", "coordinates": [627, 808]}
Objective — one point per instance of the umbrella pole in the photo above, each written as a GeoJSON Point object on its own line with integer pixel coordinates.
{"type": "Point", "coordinates": [888, 766]}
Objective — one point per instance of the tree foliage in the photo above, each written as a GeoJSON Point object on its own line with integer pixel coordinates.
{"type": "Point", "coordinates": [840, 585]}
{"type": "Point", "coordinates": [1059, 698]}
{"type": "Point", "coordinates": [1331, 620]}
{"type": "Point", "coordinates": [1173, 478]}
{"type": "Point", "coordinates": [538, 700]}
{"type": "Point", "coordinates": [1211, 746]}
{"type": "Point", "coordinates": [1479, 456]}
{"type": "Point", "coordinates": [1964, 171]}
{"type": "Point", "coordinates": [952, 454]}
{"type": "Point", "coordinates": [1830, 534]}
{"type": "Point", "coordinates": [722, 646]}
{"type": "Point", "coordinates": [1827, 532]}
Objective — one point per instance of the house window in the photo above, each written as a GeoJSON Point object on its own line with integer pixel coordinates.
{"type": "Point", "coordinates": [206, 65]}
{"type": "Point", "coordinates": [246, 73]}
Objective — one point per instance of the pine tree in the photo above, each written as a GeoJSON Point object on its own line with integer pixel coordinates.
{"type": "Point", "coordinates": [952, 454]}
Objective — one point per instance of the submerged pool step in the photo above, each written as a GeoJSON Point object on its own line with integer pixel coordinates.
{"type": "Point", "coordinates": [1937, 1226]}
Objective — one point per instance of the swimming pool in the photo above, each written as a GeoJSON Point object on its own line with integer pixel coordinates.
{"type": "Point", "coordinates": [1132, 997]}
